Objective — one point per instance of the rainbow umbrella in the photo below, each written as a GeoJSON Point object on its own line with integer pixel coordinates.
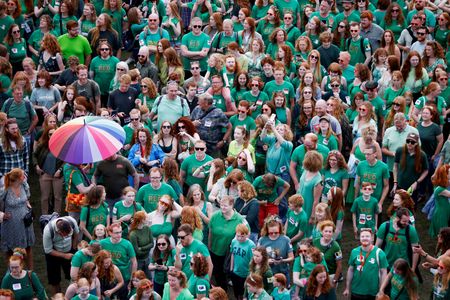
{"type": "Point", "coordinates": [87, 139]}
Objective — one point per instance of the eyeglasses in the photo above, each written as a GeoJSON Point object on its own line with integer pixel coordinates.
{"type": "Point", "coordinates": [182, 237]}
{"type": "Point", "coordinates": [395, 10]}
{"type": "Point", "coordinates": [443, 79]}
{"type": "Point", "coordinates": [104, 49]}
{"type": "Point", "coordinates": [421, 33]}
{"type": "Point", "coordinates": [411, 142]}
{"type": "Point", "coordinates": [307, 92]}
{"type": "Point", "coordinates": [181, 126]}
{"type": "Point", "coordinates": [242, 158]}
{"type": "Point", "coordinates": [307, 107]}
{"type": "Point", "coordinates": [200, 148]}
{"type": "Point", "coordinates": [287, 18]}
{"type": "Point", "coordinates": [196, 26]}
{"type": "Point", "coordinates": [141, 55]}
{"type": "Point", "coordinates": [117, 232]}
{"type": "Point", "coordinates": [341, 26]}
{"type": "Point", "coordinates": [161, 244]}
{"type": "Point", "coordinates": [195, 68]}
{"type": "Point", "coordinates": [274, 232]}
{"type": "Point", "coordinates": [265, 109]}
{"type": "Point", "coordinates": [314, 57]}
{"type": "Point", "coordinates": [134, 119]}
{"type": "Point", "coordinates": [354, 30]}
{"type": "Point", "coordinates": [153, 20]}
{"type": "Point", "coordinates": [270, 14]}
{"type": "Point", "coordinates": [362, 109]}
{"type": "Point", "coordinates": [166, 126]}
{"type": "Point", "coordinates": [255, 84]}
{"type": "Point", "coordinates": [143, 86]}
{"type": "Point", "coordinates": [120, 69]}
{"type": "Point", "coordinates": [16, 31]}
{"type": "Point", "coordinates": [242, 111]}
{"type": "Point", "coordinates": [155, 178]}
{"type": "Point", "coordinates": [335, 85]}
{"type": "Point", "coordinates": [441, 19]}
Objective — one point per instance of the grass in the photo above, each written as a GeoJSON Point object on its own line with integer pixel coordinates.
{"type": "Point", "coordinates": [348, 244]}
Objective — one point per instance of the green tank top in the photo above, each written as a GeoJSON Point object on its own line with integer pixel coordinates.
{"type": "Point", "coordinates": [164, 228]}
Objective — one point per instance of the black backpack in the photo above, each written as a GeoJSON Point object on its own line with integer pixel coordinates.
{"type": "Point", "coordinates": [361, 46]}
{"type": "Point", "coordinates": [10, 101]}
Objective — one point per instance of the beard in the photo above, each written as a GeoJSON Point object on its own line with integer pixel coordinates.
{"type": "Point", "coordinates": [400, 225]}
{"type": "Point", "coordinates": [15, 137]}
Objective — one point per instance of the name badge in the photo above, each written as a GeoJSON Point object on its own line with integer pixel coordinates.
{"type": "Point", "coordinates": [16, 286]}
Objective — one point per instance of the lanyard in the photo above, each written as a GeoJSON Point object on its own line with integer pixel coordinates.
{"type": "Point", "coordinates": [363, 262]}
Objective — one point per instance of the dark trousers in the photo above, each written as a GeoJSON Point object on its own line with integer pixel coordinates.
{"type": "Point", "coordinates": [362, 297]}
{"type": "Point", "coordinates": [218, 271]}
{"type": "Point", "coordinates": [238, 285]}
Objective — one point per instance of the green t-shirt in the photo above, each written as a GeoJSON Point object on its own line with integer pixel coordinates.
{"type": "Point", "coordinates": [290, 6]}
{"type": "Point", "coordinates": [195, 43]}
{"type": "Point", "coordinates": [264, 192]}
{"type": "Point", "coordinates": [248, 122]}
{"type": "Point", "coordinates": [186, 254]}
{"type": "Point", "coordinates": [17, 51]}
{"type": "Point", "coordinates": [296, 222]}
{"type": "Point", "coordinates": [366, 280]}
{"type": "Point", "coordinates": [148, 197]}
{"type": "Point", "coordinates": [86, 26]}
{"type": "Point", "coordinates": [333, 179]}
{"type": "Point", "coordinates": [331, 253]}
{"type": "Point", "coordinates": [258, 100]}
{"type": "Point", "coordinates": [398, 286]}
{"type": "Point", "coordinates": [223, 231]}
{"type": "Point", "coordinates": [374, 174]}
{"type": "Point", "coordinates": [396, 244]}
{"type": "Point", "coordinates": [104, 71]}
{"type": "Point", "coordinates": [120, 210]}
{"type": "Point", "coordinates": [121, 254]}
{"type": "Point", "coordinates": [78, 46]}
{"type": "Point", "coordinates": [204, 16]}
{"type": "Point", "coordinates": [96, 216]}
{"type": "Point", "coordinates": [355, 51]}
{"type": "Point", "coordinates": [20, 113]}
{"type": "Point", "coordinates": [90, 297]}
{"type": "Point", "coordinates": [79, 259]}
{"type": "Point", "coordinates": [5, 23]}
{"type": "Point", "coordinates": [117, 16]}
{"type": "Point", "coordinates": [331, 142]}
{"type": "Point", "coordinates": [299, 153]}
{"type": "Point", "coordinates": [23, 288]}
{"type": "Point", "coordinates": [161, 276]}
{"type": "Point", "coordinates": [199, 285]}
{"type": "Point", "coordinates": [265, 29]}
{"type": "Point", "coordinates": [365, 212]}
{"type": "Point", "coordinates": [439, 101]}
{"type": "Point", "coordinates": [286, 87]}
{"type": "Point", "coordinates": [242, 253]}
{"type": "Point", "coordinates": [189, 165]}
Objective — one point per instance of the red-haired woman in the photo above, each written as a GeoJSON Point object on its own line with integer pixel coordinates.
{"type": "Point", "coordinates": [319, 285]}
{"type": "Point", "coordinates": [50, 57]}
{"type": "Point", "coordinates": [248, 34]}
{"type": "Point", "coordinates": [45, 97]}
{"type": "Point", "coordinates": [187, 135]}
{"type": "Point", "coordinates": [144, 154]}
{"type": "Point", "coordinates": [16, 47]}
{"type": "Point", "coordinates": [269, 23]}
{"type": "Point", "coordinates": [111, 280]}
{"type": "Point", "coordinates": [414, 74]}
{"type": "Point", "coordinates": [441, 194]}
{"type": "Point", "coordinates": [401, 199]}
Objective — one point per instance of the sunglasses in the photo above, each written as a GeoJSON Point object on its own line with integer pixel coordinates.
{"type": "Point", "coordinates": [287, 18]}
{"type": "Point", "coordinates": [307, 92]}
{"type": "Point", "coordinates": [195, 68]}
{"type": "Point", "coordinates": [362, 109]}
{"type": "Point", "coordinates": [153, 20]}
{"type": "Point", "coordinates": [16, 31]}
{"type": "Point", "coordinates": [270, 14]}
{"type": "Point", "coordinates": [120, 69]}
{"type": "Point", "coordinates": [257, 84]}
{"type": "Point", "coordinates": [200, 149]}
{"type": "Point", "coordinates": [368, 89]}
{"type": "Point", "coordinates": [443, 79]}
{"type": "Point", "coordinates": [265, 109]}
{"type": "Point", "coordinates": [335, 85]}
{"type": "Point", "coordinates": [354, 30]}
{"type": "Point", "coordinates": [182, 237]}
{"type": "Point", "coordinates": [166, 127]}
{"type": "Point", "coordinates": [141, 55]}
{"type": "Point", "coordinates": [396, 104]}
{"type": "Point", "coordinates": [104, 49]}
{"type": "Point", "coordinates": [314, 57]}
{"type": "Point", "coordinates": [411, 142]}
{"type": "Point", "coordinates": [134, 119]}
{"type": "Point", "coordinates": [242, 111]}
{"type": "Point", "coordinates": [161, 244]}
{"type": "Point", "coordinates": [143, 86]}
{"type": "Point", "coordinates": [164, 204]}
{"type": "Point", "coordinates": [181, 127]}
{"type": "Point", "coordinates": [421, 33]}
{"type": "Point", "coordinates": [341, 26]}
{"type": "Point", "coordinates": [242, 158]}
{"type": "Point", "coordinates": [196, 26]}
{"type": "Point", "coordinates": [273, 232]}
{"type": "Point", "coordinates": [395, 10]}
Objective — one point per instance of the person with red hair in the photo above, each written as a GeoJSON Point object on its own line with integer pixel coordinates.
{"type": "Point", "coordinates": [441, 194]}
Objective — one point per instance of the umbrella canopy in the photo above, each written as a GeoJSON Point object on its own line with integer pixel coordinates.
{"type": "Point", "coordinates": [87, 139]}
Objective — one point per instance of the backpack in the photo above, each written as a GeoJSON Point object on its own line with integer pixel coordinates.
{"type": "Point", "coordinates": [45, 219]}
{"type": "Point", "coordinates": [361, 46]}
{"type": "Point", "coordinates": [9, 102]}
{"type": "Point", "coordinates": [53, 224]}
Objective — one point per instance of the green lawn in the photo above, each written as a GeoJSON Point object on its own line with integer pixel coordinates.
{"type": "Point", "coordinates": [422, 226]}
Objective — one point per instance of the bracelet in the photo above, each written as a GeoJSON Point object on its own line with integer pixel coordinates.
{"type": "Point", "coordinates": [426, 255]}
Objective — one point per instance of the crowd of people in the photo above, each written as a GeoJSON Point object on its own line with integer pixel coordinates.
{"type": "Point", "coordinates": [252, 128]}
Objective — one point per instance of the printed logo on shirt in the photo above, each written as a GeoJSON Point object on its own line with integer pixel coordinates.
{"type": "Point", "coordinates": [201, 288]}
